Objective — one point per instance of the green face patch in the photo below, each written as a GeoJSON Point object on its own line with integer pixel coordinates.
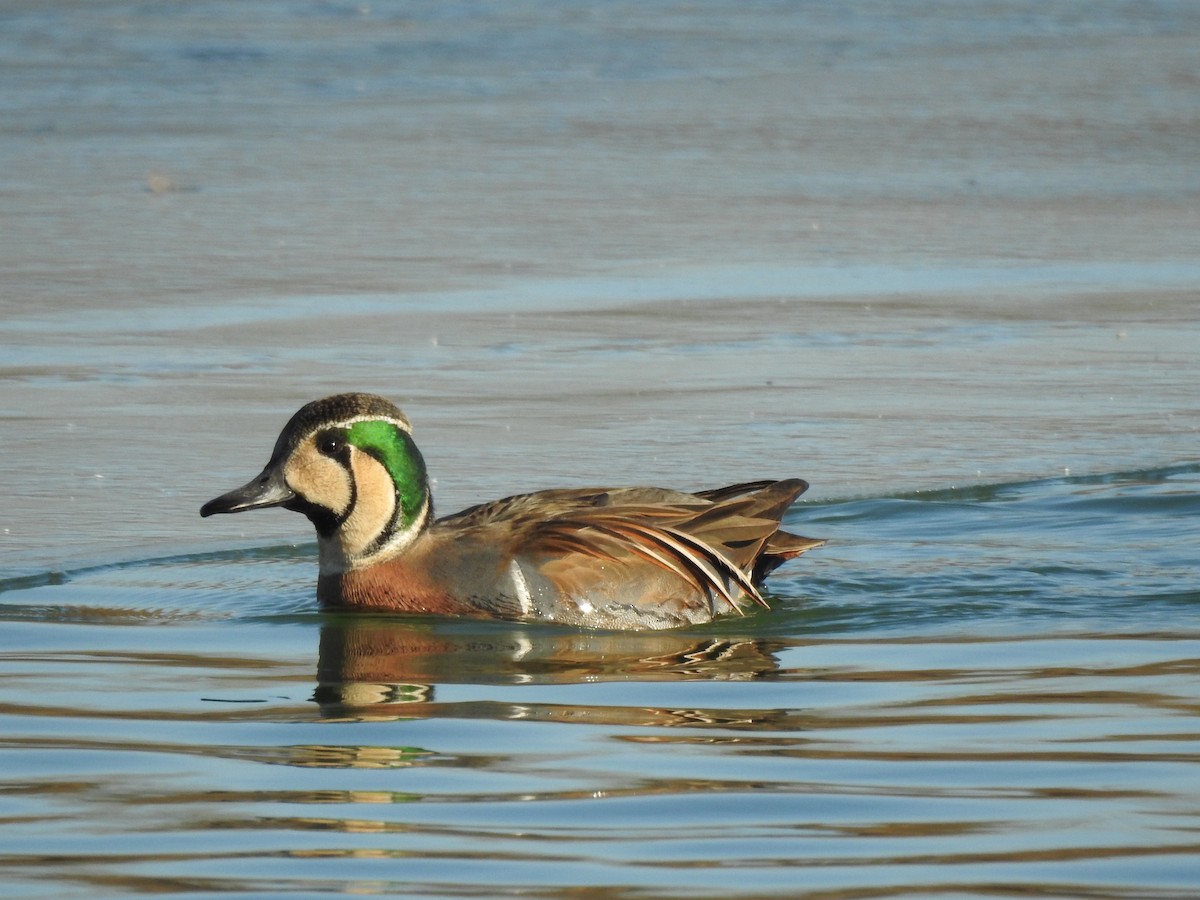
{"type": "Point", "coordinates": [399, 455]}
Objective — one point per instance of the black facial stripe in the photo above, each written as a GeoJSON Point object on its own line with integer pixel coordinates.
{"type": "Point", "coordinates": [353, 492]}
{"type": "Point", "coordinates": [324, 519]}
{"type": "Point", "coordinates": [385, 535]}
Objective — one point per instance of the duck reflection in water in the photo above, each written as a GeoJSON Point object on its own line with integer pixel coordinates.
{"type": "Point", "coordinates": [389, 666]}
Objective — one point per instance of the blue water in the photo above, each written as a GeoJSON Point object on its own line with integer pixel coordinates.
{"type": "Point", "coordinates": [938, 259]}
{"type": "Point", "coordinates": [972, 692]}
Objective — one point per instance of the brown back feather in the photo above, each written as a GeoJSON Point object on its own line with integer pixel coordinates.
{"type": "Point", "coordinates": [722, 541]}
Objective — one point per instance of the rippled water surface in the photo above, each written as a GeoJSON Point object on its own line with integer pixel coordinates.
{"type": "Point", "coordinates": [939, 259]}
{"type": "Point", "coordinates": [989, 691]}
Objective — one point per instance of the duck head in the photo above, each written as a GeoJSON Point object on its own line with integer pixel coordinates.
{"type": "Point", "coordinates": [347, 462]}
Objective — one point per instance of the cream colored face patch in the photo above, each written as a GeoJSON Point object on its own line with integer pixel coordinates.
{"type": "Point", "coordinates": [319, 479]}
{"type": "Point", "coordinates": [374, 504]}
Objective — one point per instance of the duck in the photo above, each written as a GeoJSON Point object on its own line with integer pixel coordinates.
{"type": "Point", "coordinates": [625, 558]}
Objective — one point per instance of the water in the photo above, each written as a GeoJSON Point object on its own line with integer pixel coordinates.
{"type": "Point", "coordinates": [939, 261]}
{"type": "Point", "coordinates": [977, 692]}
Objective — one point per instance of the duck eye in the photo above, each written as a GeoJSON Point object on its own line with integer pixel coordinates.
{"type": "Point", "coordinates": [331, 443]}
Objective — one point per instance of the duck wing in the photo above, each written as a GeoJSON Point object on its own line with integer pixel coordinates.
{"type": "Point", "coordinates": [720, 542]}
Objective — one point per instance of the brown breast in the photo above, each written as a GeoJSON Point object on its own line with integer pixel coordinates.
{"type": "Point", "coordinates": [391, 586]}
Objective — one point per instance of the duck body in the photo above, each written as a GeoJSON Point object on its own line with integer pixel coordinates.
{"type": "Point", "coordinates": [631, 558]}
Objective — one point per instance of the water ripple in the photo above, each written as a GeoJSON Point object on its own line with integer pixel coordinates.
{"type": "Point", "coordinates": [985, 691]}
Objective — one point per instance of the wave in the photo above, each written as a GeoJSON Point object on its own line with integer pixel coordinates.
{"type": "Point", "coordinates": [1113, 547]}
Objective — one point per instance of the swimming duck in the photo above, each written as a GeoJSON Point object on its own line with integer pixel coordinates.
{"type": "Point", "coordinates": [633, 558]}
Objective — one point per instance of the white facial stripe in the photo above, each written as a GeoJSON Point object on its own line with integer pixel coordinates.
{"type": "Point", "coordinates": [402, 424]}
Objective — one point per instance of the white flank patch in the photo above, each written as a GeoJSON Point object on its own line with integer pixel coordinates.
{"type": "Point", "coordinates": [522, 587]}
